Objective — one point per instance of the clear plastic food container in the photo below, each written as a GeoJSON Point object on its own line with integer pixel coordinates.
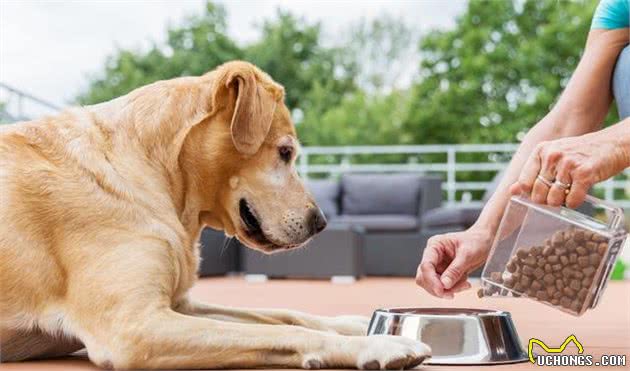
{"type": "Point", "coordinates": [554, 255]}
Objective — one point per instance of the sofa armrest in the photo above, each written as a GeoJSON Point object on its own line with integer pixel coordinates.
{"type": "Point", "coordinates": [447, 217]}
{"type": "Point", "coordinates": [430, 194]}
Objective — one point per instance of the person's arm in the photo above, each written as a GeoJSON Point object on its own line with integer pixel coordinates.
{"type": "Point", "coordinates": [581, 109]}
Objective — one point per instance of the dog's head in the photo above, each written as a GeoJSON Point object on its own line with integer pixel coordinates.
{"type": "Point", "coordinates": [244, 158]}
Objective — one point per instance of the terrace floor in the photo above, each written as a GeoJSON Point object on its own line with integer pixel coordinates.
{"type": "Point", "coordinates": [605, 330]}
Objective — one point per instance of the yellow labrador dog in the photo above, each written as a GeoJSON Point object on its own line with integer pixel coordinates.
{"type": "Point", "coordinates": [100, 210]}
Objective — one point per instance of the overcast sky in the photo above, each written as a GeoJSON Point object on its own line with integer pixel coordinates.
{"type": "Point", "coordinates": [49, 48]}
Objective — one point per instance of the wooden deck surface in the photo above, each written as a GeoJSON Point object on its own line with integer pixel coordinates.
{"type": "Point", "coordinates": [605, 330]}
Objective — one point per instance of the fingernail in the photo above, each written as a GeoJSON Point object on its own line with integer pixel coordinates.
{"type": "Point", "coordinates": [447, 282]}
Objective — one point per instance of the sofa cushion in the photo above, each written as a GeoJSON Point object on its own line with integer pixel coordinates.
{"type": "Point", "coordinates": [366, 194]}
{"type": "Point", "coordinates": [379, 222]}
{"type": "Point", "coordinates": [326, 193]}
{"type": "Point", "coordinates": [450, 216]}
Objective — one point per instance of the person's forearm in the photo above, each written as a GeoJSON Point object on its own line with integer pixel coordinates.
{"type": "Point", "coordinates": [581, 109]}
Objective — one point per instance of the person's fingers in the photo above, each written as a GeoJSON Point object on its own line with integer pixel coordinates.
{"type": "Point", "coordinates": [558, 192]}
{"type": "Point", "coordinates": [577, 194]}
{"type": "Point", "coordinates": [530, 171]}
{"type": "Point", "coordinates": [421, 281]}
{"type": "Point", "coordinates": [429, 280]}
{"type": "Point", "coordinates": [583, 177]}
{"type": "Point", "coordinates": [457, 270]}
{"type": "Point", "coordinates": [546, 177]}
{"type": "Point", "coordinates": [540, 190]}
{"type": "Point", "coordinates": [427, 276]}
{"type": "Point", "coordinates": [515, 189]}
{"type": "Point", "coordinates": [461, 285]}
{"type": "Point", "coordinates": [441, 266]}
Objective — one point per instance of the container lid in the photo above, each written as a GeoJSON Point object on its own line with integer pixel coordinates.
{"type": "Point", "coordinates": [611, 226]}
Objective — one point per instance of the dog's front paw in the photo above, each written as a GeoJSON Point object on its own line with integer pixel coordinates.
{"type": "Point", "coordinates": [385, 352]}
{"type": "Point", "coordinates": [349, 325]}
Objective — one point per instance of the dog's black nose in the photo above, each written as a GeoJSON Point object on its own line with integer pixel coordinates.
{"type": "Point", "coordinates": [316, 220]}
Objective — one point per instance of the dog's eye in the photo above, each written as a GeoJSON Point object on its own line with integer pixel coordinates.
{"type": "Point", "coordinates": [286, 152]}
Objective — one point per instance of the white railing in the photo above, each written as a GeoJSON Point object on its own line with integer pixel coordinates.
{"type": "Point", "coordinates": [17, 105]}
{"type": "Point", "coordinates": [337, 160]}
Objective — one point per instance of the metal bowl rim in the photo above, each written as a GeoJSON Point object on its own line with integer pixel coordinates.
{"type": "Point", "coordinates": [441, 312]}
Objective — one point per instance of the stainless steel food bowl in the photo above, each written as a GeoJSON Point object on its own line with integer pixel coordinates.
{"type": "Point", "coordinates": [456, 336]}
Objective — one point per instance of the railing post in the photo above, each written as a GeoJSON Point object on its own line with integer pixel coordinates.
{"type": "Point", "coordinates": [451, 159]}
{"type": "Point", "coordinates": [609, 190]}
{"type": "Point", "coordinates": [20, 108]}
{"type": "Point", "coordinates": [345, 163]}
{"type": "Point", "coordinates": [304, 163]}
{"type": "Point", "coordinates": [22, 98]}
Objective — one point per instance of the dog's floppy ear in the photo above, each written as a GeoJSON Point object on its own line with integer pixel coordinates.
{"type": "Point", "coordinates": [254, 104]}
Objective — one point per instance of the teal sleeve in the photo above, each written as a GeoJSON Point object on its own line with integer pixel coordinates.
{"type": "Point", "coordinates": [612, 14]}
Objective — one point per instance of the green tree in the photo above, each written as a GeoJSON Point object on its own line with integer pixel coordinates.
{"type": "Point", "coordinates": [498, 71]}
{"type": "Point", "coordinates": [378, 53]}
{"type": "Point", "coordinates": [383, 51]}
{"type": "Point", "coordinates": [359, 119]}
{"type": "Point", "coordinates": [199, 45]}
{"type": "Point", "coordinates": [492, 76]}
{"type": "Point", "coordinates": [291, 51]}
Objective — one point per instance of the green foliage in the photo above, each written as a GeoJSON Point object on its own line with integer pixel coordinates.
{"type": "Point", "coordinates": [360, 119]}
{"type": "Point", "coordinates": [375, 53]}
{"type": "Point", "coordinates": [192, 49]}
{"type": "Point", "coordinates": [491, 77]}
{"type": "Point", "coordinates": [291, 51]}
{"type": "Point", "coordinates": [498, 71]}
{"type": "Point", "coordinates": [383, 51]}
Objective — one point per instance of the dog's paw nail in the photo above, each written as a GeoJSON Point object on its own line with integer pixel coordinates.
{"type": "Point", "coordinates": [371, 365]}
{"type": "Point", "coordinates": [417, 361]}
{"type": "Point", "coordinates": [313, 364]}
{"type": "Point", "coordinates": [397, 364]}
{"type": "Point", "coordinates": [106, 365]}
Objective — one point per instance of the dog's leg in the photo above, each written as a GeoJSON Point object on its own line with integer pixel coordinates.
{"type": "Point", "coordinates": [167, 339]}
{"type": "Point", "coordinates": [119, 306]}
{"type": "Point", "coordinates": [344, 325]}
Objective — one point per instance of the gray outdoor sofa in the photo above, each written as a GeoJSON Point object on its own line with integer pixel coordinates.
{"type": "Point", "coordinates": [446, 219]}
{"type": "Point", "coordinates": [389, 207]}
{"type": "Point", "coordinates": [219, 255]}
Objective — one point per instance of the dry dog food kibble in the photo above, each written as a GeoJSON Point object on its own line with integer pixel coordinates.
{"type": "Point", "coordinates": [559, 272]}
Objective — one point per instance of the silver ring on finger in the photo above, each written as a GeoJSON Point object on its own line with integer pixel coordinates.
{"type": "Point", "coordinates": [562, 185]}
{"type": "Point", "coordinates": [544, 180]}
{"type": "Point", "coordinates": [565, 186]}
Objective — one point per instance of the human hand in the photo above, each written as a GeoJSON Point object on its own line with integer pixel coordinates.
{"type": "Point", "coordinates": [562, 171]}
{"type": "Point", "coordinates": [449, 258]}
